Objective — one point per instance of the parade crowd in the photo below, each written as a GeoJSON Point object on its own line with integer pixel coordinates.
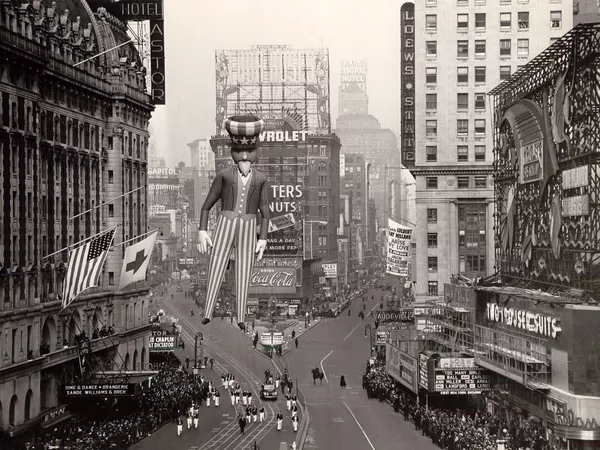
{"type": "Point", "coordinates": [451, 429]}
{"type": "Point", "coordinates": [172, 391]}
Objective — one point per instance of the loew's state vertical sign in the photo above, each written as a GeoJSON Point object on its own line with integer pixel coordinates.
{"type": "Point", "coordinates": [407, 90]}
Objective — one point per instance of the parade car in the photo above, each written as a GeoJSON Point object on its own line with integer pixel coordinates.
{"type": "Point", "coordinates": [268, 392]}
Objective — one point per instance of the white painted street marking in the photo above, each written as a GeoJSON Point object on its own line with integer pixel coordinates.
{"type": "Point", "coordinates": [354, 393]}
{"type": "Point", "coordinates": [359, 425]}
{"type": "Point", "coordinates": [337, 420]}
{"type": "Point", "coordinates": [323, 370]}
{"type": "Point", "coordinates": [215, 430]}
{"type": "Point", "coordinates": [353, 330]}
{"type": "Point", "coordinates": [224, 415]}
{"type": "Point", "coordinates": [225, 422]}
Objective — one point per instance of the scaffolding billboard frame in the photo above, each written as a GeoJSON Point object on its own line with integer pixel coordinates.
{"type": "Point", "coordinates": [303, 98]}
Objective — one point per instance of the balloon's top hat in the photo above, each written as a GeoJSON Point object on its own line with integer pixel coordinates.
{"type": "Point", "coordinates": [244, 131]}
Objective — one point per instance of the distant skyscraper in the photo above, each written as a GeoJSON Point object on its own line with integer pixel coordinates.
{"type": "Point", "coordinates": [201, 154]}
{"type": "Point", "coordinates": [462, 51]}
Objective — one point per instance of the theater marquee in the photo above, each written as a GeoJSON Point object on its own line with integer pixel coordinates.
{"type": "Point", "coordinates": [407, 92]}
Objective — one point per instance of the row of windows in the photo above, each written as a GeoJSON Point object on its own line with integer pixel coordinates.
{"type": "Point", "coordinates": [466, 238]}
{"type": "Point", "coordinates": [462, 101]}
{"type": "Point", "coordinates": [477, 2]}
{"type": "Point", "coordinates": [463, 182]}
{"type": "Point", "coordinates": [468, 215]}
{"type": "Point", "coordinates": [462, 153]}
{"type": "Point", "coordinates": [462, 74]}
{"type": "Point", "coordinates": [468, 263]}
{"type": "Point", "coordinates": [480, 48]}
{"type": "Point", "coordinates": [462, 127]}
{"type": "Point", "coordinates": [506, 21]}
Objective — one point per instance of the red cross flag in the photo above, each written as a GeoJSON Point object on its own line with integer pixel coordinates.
{"type": "Point", "coordinates": [137, 258]}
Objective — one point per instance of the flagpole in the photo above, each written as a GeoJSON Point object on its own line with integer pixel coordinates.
{"type": "Point", "coordinates": [137, 237]}
{"type": "Point", "coordinates": [106, 203]}
{"type": "Point", "coordinates": [73, 245]}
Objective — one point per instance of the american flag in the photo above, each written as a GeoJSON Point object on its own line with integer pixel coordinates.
{"type": "Point", "coordinates": [85, 265]}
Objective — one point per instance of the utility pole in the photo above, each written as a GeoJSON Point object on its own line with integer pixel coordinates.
{"type": "Point", "coordinates": [199, 336]}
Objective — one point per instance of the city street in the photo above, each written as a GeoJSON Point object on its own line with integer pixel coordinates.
{"type": "Point", "coordinates": [233, 353]}
{"type": "Point", "coordinates": [345, 418]}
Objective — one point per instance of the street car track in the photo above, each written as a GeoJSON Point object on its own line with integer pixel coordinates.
{"type": "Point", "coordinates": [230, 435]}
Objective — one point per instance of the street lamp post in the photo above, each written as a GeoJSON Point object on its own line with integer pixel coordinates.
{"type": "Point", "coordinates": [369, 328]}
{"type": "Point", "coordinates": [199, 337]}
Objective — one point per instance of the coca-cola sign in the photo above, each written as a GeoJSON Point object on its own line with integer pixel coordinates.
{"type": "Point", "coordinates": [273, 280]}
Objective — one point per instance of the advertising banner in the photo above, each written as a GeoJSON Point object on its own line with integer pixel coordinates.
{"type": "Point", "coordinates": [98, 390]}
{"type": "Point", "coordinates": [164, 191]}
{"type": "Point", "coordinates": [407, 90]}
{"type": "Point", "coordinates": [162, 341]}
{"type": "Point", "coordinates": [330, 270]}
{"type": "Point", "coordinates": [276, 276]}
{"type": "Point", "coordinates": [423, 371]}
{"type": "Point", "coordinates": [275, 338]}
{"type": "Point", "coordinates": [402, 367]}
{"type": "Point", "coordinates": [398, 249]}
{"type": "Point", "coordinates": [382, 337]}
{"type": "Point", "coordinates": [184, 230]}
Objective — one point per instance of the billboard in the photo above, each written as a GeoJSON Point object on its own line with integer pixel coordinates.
{"type": "Point", "coordinates": [402, 367]}
{"type": "Point", "coordinates": [162, 341]}
{"type": "Point", "coordinates": [164, 191]}
{"type": "Point", "coordinates": [354, 71]}
{"type": "Point", "coordinates": [398, 248]}
{"type": "Point", "coordinates": [407, 90]}
{"type": "Point", "coordinates": [284, 163]}
{"type": "Point", "coordinates": [461, 381]}
{"type": "Point", "coordinates": [330, 270]}
{"type": "Point", "coordinates": [276, 276]}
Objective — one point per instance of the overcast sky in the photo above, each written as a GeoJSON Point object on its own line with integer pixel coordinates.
{"type": "Point", "coordinates": [194, 30]}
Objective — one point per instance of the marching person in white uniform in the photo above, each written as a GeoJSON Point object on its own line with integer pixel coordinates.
{"type": "Point", "coordinates": [279, 421]}
{"type": "Point", "coordinates": [261, 414]}
{"type": "Point", "coordinates": [295, 423]}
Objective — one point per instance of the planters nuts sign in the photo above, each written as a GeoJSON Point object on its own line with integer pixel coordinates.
{"type": "Point", "coordinates": [276, 276]}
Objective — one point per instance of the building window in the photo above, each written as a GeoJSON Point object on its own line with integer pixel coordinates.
{"type": "Point", "coordinates": [553, 40]}
{"type": "Point", "coordinates": [462, 75]}
{"type": "Point", "coordinates": [111, 278]}
{"type": "Point", "coordinates": [432, 264]}
{"type": "Point", "coordinates": [431, 75]}
{"type": "Point", "coordinates": [505, 21]}
{"type": "Point", "coordinates": [462, 153]}
{"type": "Point", "coordinates": [522, 47]}
{"type": "Point", "coordinates": [480, 74]}
{"type": "Point", "coordinates": [480, 48]}
{"type": "Point", "coordinates": [432, 240]}
{"type": "Point", "coordinates": [431, 102]}
{"type": "Point", "coordinates": [479, 21]}
{"type": "Point", "coordinates": [431, 2]}
{"type": "Point", "coordinates": [463, 182]}
{"type": "Point", "coordinates": [505, 72]}
{"type": "Point", "coordinates": [111, 210]}
{"type": "Point", "coordinates": [462, 101]}
{"type": "Point", "coordinates": [462, 127]}
{"type": "Point", "coordinates": [431, 47]}
{"type": "Point", "coordinates": [462, 2]}
{"type": "Point", "coordinates": [504, 47]}
{"type": "Point", "coordinates": [480, 101]}
{"type": "Point", "coordinates": [431, 215]}
{"type": "Point", "coordinates": [432, 182]}
{"type": "Point", "coordinates": [431, 127]}
{"type": "Point", "coordinates": [462, 22]}
{"type": "Point", "coordinates": [431, 152]}
{"type": "Point", "coordinates": [432, 288]}
{"type": "Point", "coordinates": [480, 153]}
{"type": "Point", "coordinates": [555, 19]}
{"type": "Point", "coordinates": [480, 182]}
{"type": "Point", "coordinates": [431, 22]}
{"type": "Point", "coordinates": [523, 20]}
{"type": "Point", "coordinates": [479, 126]}
{"type": "Point", "coordinates": [111, 177]}
{"type": "Point", "coordinates": [462, 49]}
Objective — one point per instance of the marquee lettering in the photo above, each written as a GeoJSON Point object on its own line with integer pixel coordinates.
{"type": "Point", "coordinates": [524, 320]}
{"type": "Point", "coordinates": [157, 62]}
{"type": "Point", "coordinates": [570, 420]}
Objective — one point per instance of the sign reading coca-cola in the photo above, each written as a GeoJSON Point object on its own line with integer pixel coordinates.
{"type": "Point", "coordinates": [275, 276]}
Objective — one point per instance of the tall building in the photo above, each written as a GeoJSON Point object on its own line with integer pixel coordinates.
{"type": "Point", "coordinates": [462, 49]}
{"type": "Point", "coordinates": [354, 186]}
{"type": "Point", "coordinates": [586, 11]}
{"type": "Point", "coordinates": [71, 139]}
{"type": "Point", "coordinates": [361, 134]}
{"type": "Point", "coordinates": [201, 154]}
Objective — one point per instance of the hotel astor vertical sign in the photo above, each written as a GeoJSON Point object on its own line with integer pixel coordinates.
{"type": "Point", "coordinates": [407, 92]}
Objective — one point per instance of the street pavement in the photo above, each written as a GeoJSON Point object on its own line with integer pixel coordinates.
{"type": "Point", "coordinates": [233, 353]}
{"type": "Point", "coordinates": [344, 418]}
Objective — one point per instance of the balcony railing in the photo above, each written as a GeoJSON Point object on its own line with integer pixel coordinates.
{"type": "Point", "coordinates": [79, 74]}
{"type": "Point", "coordinates": [65, 354]}
{"type": "Point", "coordinates": [21, 42]}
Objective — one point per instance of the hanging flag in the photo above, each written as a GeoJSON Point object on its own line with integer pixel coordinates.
{"type": "Point", "coordinates": [137, 258]}
{"type": "Point", "coordinates": [85, 265]}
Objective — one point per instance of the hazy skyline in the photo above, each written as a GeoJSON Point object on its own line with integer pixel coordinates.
{"type": "Point", "coordinates": [350, 30]}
